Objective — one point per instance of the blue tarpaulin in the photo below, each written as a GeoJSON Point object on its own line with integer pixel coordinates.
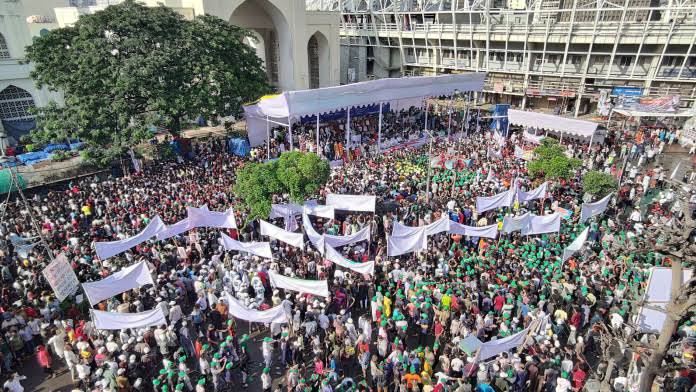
{"type": "Point", "coordinates": [341, 114]}
{"type": "Point", "coordinates": [500, 110]}
{"type": "Point", "coordinates": [239, 147]}
{"type": "Point", "coordinates": [33, 157]}
{"type": "Point", "coordinates": [55, 147]}
{"type": "Point", "coordinates": [17, 128]}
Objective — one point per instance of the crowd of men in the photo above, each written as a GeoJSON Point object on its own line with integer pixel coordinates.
{"type": "Point", "coordinates": [407, 327]}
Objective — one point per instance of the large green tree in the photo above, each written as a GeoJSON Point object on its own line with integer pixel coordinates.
{"type": "Point", "coordinates": [551, 161]}
{"type": "Point", "coordinates": [599, 183]}
{"type": "Point", "coordinates": [130, 66]}
{"type": "Point", "coordinates": [298, 174]}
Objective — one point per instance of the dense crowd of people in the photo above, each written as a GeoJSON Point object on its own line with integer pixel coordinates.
{"type": "Point", "coordinates": [408, 327]}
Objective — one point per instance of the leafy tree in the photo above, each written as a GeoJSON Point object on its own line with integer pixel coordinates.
{"type": "Point", "coordinates": [130, 66]}
{"type": "Point", "coordinates": [551, 161]}
{"type": "Point", "coordinates": [599, 183]}
{"type": "Point", "coordinates": [302, 174]}
{"type": "Point", "coordinates": [298, 174]}
{"type": "Point", "coordinates": [256, 184]}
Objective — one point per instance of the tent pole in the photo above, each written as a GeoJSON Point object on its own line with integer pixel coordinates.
{"type": "Point", "coordinates": [589, 149]}
{"type": "Point", "coordinates": [268, 139]}
{"type": "Point", "coordinates": [292, 148]}
{"type": "Point", "coordinates": [347, 127]}
{"type": "Point", "coordinates": [317, 147]}
{"type": "Point", "coordinates": [427, 103]}
{"type": "Point", "coordinates": [379, 129]}
{"type": "Point", "coordinates": [560, 138]}
{"type": "Point", "coordinates": [449, 120]}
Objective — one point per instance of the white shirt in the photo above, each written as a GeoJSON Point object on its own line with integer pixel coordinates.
{"type": "Point", "coordinates": [13, 385]}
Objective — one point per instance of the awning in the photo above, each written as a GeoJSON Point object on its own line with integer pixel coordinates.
{"type": "Point", "coordinates": [635, 113]}
{"type": "Point", "coordinates": [322, 100]}
{"type": "Point", "coordinates": [552, 123]}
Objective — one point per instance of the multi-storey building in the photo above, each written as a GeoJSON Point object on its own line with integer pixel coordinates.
{"type": "Point", "coordinates": [299, 47]}
{"type": "Point", "coordinates": [557, 54]}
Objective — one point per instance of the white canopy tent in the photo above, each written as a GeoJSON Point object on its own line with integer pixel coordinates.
{"type": "Point", "coordinates": [283, 109]}
{"type": "Point", "coordinates": [553, 123]}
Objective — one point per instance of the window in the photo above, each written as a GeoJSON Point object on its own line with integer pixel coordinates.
{"type": "Point", "coordinates": [15, 104]}
{"type": "Point", "coordinates": [671, 61]}
{"type": "Point", "coordinates": [573, 59]}
{"type": "Point", "coordinates": [625, 61]}
{"type": "Point", "coordinates": [553, 59]}
{"type": "Point", "coordinates": [4, 50]}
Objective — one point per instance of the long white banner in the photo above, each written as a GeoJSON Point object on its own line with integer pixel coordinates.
{"type": "Point", "coordinates": [490, 231]}
{"type": "Point", "coordinates": [116, 320]}
{"type": "Point", "coordinates": [314, 287]}
{"type": "Point", "coordinates": [334, 256]}
{"type": "Point", "coordinates": [515, 223]}
{"type": "Point", "coordinates": [294, 239]}
{"type": "Point", "coordinates": [327, 212]}
{"type": "Point", "coordinates": [261, 249]}
{"type": "Point", "coordinates": [137, 275]}
{"type": "Point", "coordinates": [495, 347]}
{"type": "Point", "coordinates": [591, 209]}
{"type": "Point", "coordinates": [177, 228]}
{"type": "Point", "coordinates": [412, 243]}
{"type": "Point", "coordinates": [439, 226]}
{"type": "Point", "coordinates": [576, 244]}
{"type": "Point", "coordinates": [112, 248]}
{"type": "Point", "coordinates": [273, 315]}
{"type": "Point", "coordinates": [543, 224]}
{"type": "Point", "coordinates": [341, 240]}
{"type": "Point", "coordinates": [203, 217]}
{"type": "Point", "coordinates": [351, 202]}
{"type": "Point", "coordinates": [538, 193]}
{"type": "Point", "coordinates": [314, 237]}
{"type": "Point", "coordinates": [503, 199]}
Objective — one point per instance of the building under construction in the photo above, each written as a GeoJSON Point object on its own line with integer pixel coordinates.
{"type": "Point", "coordinates": [555, 54]}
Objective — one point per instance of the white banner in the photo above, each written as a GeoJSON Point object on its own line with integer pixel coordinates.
{"type": "Point", "coordinates": [116, 320]}
{"type": "Point", "coordinates": [515, 223]}
{"type": "Point", "coordinates": [412, 243]}
{"type": "Point", "coordinates": [290, 238]}
{"type": "Point", "coordinates": [439, 226]}
{"type": "Point", "coordinates": [137, 275]}
{"type": "Point", "coordinates": [657, 295]}
{"type": "Point", "coordinates": [538, 193]}
{"type": "Point", "coordinates": [503, 199]}
{"type": "Point", "coordinates": [334, 256]}
{"type": "Point", "coordinates": [261, 249]}
{"type": "Point", "coordinates": [591, 209]}
{"type": "Point", "coordinates": [541, 224]}
{"type": "Point", "coordinates": [314, 237]}
{"type": "Point", "coordinates": [327, 212]}
{"type": "Point", "coordinates": [341, 240]}
{"type": "Point", "coordinates": [112, 248]}
{"type": "Point", "coordinates": [490, 231]}
{"type": "Point", "coordinates": [283, 210]}
{"type": "Point", "coordinates": [61, 277]}
{"type": "Point", "coordinates": [179, 227]}
{"type": "Point", "coordinates": [202, 217]}
{"type": "Point", "coordinates": [314, 287]}
{"type": "Point", "coordinates": [576, 244]}
{"type": "Point", "coordinates": [351, 202]}
{"type": "Point", "coordinates": [494, 347]}
{"type": "Point", "coordinates": [273, 315]}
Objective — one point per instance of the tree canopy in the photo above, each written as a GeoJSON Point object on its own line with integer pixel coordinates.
{"type": "Point", "coordinates": [129, 66]}
{"type": "Point", "coordinates": [551, 161]}
{"type": "Point", "coordinates": [599, 183]}
{"type": "Point", "coordinates": [300, 175]}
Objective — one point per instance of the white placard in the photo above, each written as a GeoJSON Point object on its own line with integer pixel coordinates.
{"type": "Point", "coordinates": [61, 277]}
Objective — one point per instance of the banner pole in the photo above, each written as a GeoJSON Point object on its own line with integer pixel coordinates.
{"type": "Point", "coordinates": [292, 147]}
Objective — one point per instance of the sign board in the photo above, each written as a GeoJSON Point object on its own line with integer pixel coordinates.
{"type": "Point", "coordinates": [61, 277]}
{"type": "Point", "coordinates": [627, 91]}
{"type": "Point", "coordinates": [669, 103]}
